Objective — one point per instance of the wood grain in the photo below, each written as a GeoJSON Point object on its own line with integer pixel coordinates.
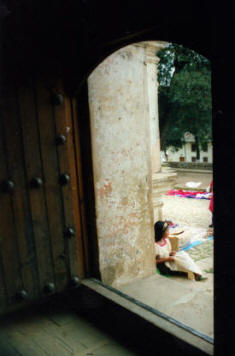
{"type": "Point", "coordinates": [70, 191]}
{"type": "Point", "coordinates": [8, 242]}
{"type": "Point", "coordinates": [20, 203]}
{"type": "Point", "coordinates": [78, 165]}
{"type": "Point", "coordinates": [33, 166]}
{"type": "Point", "coordinates": [52, 188]}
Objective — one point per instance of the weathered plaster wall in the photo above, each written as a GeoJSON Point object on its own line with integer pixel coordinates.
{"type": "Point", "coordinates": [121, 148]}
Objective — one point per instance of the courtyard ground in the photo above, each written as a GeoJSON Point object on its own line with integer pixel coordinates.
{"type": "Point", "coordinates": [187, 301]}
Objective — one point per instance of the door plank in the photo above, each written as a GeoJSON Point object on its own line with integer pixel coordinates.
{"type": "Point", "coordinates": [75, 192]}
{"type": "Point", "coordinates": [21, 209]}
{"type": "Point", "coordinates": [8, 242]}
{"type": "Point", "coordinates": [69, 191]}
{"type": "Point", "coordinates": [37, 198]}
{"type": "Point", "coordinates": [52, 189]}
{"type": "Point", "coordinates": [3, 290]}
{"type": "Point", "coordinates": [78, 160]}
{"type": "Point", "coordinates": [3, 293]}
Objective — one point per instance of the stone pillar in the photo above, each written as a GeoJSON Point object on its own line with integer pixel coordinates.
{"type": "Point", "coordinates": [151, 62]}
{"type": "Point", "coordinates": [122, 155]}
{"type": "Point", "coordinates": [162, 179]}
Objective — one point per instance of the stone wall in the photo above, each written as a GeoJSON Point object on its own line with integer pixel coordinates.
{"type": "Point", "coordinates": [162, 182]}
{"type": "Point", "coordinates": [122, 164]}
{"type": "Point", "coordinates": [189, 165]}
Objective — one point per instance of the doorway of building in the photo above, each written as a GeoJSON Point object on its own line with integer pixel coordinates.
{"type": "Point", "coordinates": [125, 149]}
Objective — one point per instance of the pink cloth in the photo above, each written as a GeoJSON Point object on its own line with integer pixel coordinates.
{"type": "Point", "coordinates": [189, 194]}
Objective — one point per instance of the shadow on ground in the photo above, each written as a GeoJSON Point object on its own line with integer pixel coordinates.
{"type": "Point", "coordinates": [84, 307]}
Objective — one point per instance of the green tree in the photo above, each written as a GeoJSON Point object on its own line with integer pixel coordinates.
{"type": "Point", "coordinates": [184, 96]}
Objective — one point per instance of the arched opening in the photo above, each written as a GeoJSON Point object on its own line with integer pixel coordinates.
{"type": "Point", "coordinates": [167, 23]}
{"type": "Point", "coordinates": [126, 151]}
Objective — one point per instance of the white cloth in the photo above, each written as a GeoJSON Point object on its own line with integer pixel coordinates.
{"type": "Point", "coordinates": [182, 261]}
{"type": "Point", "coordinates": [193, 184]}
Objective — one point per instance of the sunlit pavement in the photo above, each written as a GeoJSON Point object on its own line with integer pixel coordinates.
{"type": "Point", "coordinates": [188, 301]}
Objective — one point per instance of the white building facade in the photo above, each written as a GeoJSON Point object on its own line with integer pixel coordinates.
{"type": "Point", "coordinates": [188, 152]}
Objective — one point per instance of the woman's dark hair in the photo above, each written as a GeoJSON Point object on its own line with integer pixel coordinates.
{"type": "Point", "coordinates": [159, 229]}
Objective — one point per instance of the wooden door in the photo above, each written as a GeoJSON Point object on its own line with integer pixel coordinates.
{"type": "Point", "coordinates": [42, 230]}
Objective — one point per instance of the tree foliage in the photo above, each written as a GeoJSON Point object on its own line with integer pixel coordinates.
{"type": "Point", "coordinates": [184, 96]}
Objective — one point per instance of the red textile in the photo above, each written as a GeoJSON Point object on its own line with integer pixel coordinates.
{"type": "Point", "coordinates": [188, 194]}
{"type": "Point", "coordinates": [211, 206]}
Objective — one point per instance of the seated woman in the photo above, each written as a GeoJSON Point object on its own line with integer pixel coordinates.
{"type": "Point", "coordinates": [171, 262]}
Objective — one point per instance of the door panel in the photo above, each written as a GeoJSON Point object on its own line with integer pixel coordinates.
{"type": "Point", "coordinates": [35, 184]}
{"type": "Point", "coordinates": [54, 203]}
{"type": "Point", "coordinates": [20, 214]}
{"type": "Point", "coordinates": [41, 229]}
{"type": "Point", "coordinates": [66, 155]}
{"type": "Point", "coordinates": [8, 241]}
{"type": "Point", "coordinates": [80, 194]}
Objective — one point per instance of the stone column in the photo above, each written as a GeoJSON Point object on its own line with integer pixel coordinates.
{"type": "Point", "coordinates": [126, 152]}
{"type": "Point", "coordinates": [162, 179]}
{"type": "Point", "coordinates": [151, 62]}
{"type": "Point", "coordinates": [121, 149]}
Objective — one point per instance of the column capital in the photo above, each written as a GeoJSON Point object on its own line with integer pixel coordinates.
{"type": "Point", "coordinates": [152, 48]}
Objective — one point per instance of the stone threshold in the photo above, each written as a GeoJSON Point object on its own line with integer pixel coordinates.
{"type": "Point", "coordinates": [157, 318]}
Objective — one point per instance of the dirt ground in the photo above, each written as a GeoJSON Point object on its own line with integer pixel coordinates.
{"type": "Point", "coordinates": [187, 211]}
{"type": "Point", "coordinates": [186, 176]}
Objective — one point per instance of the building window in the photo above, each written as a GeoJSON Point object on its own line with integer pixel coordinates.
{"type": "Point", "coordinates": [193, 159]}
{"type": "Point", "coordinates": [205, 147]}
{"type": "Point", "coordinates": [193, 147]}
{"type": "Point", "coordinates": [181, 159]}
{"type": "Point", "coordinates": [205, 159]}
